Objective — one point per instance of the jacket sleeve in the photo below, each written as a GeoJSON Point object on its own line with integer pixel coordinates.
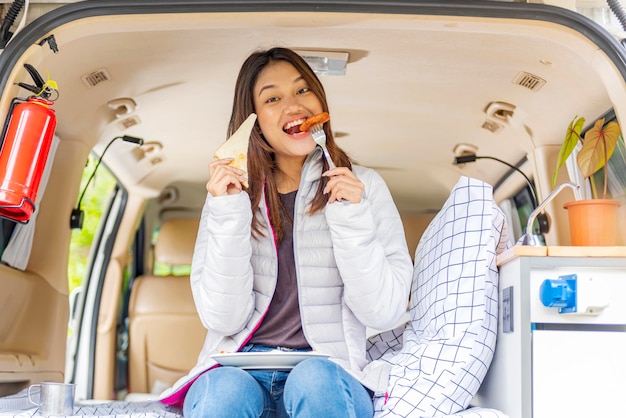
{"type": "Point", "coordinates": [371, 254]}
{"type": "Point", "coordinates": [221, 273]}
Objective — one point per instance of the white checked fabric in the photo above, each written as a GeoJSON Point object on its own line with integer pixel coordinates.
{"type": "Point", "coordinates": [439, 359]}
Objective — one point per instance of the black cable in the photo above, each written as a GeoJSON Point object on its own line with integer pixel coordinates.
{"type": "Point", "coordinates": [76, 218]}
{"type": "Point", "coordinates": [543, 221]}
{"type": "Point", "coordinates": [472, 157]}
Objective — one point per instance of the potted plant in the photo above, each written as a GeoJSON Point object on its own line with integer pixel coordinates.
{"type": "Point", "coordinates": [592, 221]}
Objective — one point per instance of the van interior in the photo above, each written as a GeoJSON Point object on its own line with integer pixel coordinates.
{"type": "Point", "coordinates": [423, 92]}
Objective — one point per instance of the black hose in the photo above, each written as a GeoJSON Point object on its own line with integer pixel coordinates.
{"type": "Point", "coordinates": [617, 10]}
{"type": "Point", "coordinates": [8, 21]}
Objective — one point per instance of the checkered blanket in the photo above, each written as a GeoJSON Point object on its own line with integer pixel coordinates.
{"type": "Point", "coordinates": [439, 359]}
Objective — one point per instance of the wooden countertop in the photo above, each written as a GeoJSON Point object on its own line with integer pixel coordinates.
{"type": "Point", "coordinates": [559, 251]}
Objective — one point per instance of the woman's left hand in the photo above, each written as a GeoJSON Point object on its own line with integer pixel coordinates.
{"type": "Point", "coordinates": [343, 185]}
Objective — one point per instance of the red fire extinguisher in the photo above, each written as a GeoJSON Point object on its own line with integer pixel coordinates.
{"type": "Point", "coordinates": [26, 142]}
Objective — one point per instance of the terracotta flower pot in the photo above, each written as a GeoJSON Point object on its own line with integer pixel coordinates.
{"type": "Point", "coordinates": [593, 222]}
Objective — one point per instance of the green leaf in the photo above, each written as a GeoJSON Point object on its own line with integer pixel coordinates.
{"type": "Point", "coordinates": [572, 136]}
{"type": "Point", "coordinates": [598, 147]}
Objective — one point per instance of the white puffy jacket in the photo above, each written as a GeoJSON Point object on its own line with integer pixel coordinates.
{"type": "Point", "coordinates": [353, 270]}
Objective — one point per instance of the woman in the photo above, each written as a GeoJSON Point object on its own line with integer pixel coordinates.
{"type": "Point", "coordinates": [304, 261]}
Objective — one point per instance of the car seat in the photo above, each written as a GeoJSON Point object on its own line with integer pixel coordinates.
{"type": "Point", "coordinates": [165, 332]}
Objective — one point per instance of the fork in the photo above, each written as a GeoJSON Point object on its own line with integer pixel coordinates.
{"type": "Point", "coordinates": [319, 136]}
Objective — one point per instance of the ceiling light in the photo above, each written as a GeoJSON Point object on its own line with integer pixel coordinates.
{"type": "Point", "coordinates": [326, 62]}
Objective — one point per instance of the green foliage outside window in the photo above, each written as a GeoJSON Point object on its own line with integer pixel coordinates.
{"type": "Point", "coordinates": [93, 203]}
{"type": "Point", "coordinates": [161, 269]}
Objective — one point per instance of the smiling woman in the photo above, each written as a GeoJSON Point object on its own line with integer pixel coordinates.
{"type": "Point", "coordinates": [332, 247]}
{"type": "Point", "coordinates": [411, 86]}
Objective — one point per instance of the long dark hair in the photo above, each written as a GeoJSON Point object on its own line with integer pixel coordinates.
{"type": "Point", "coordinates": [262, 168]}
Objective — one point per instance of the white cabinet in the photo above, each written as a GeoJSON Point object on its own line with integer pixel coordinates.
{"type": "Point", "coordinates": [561, 348]}
{"type": "Point", "coordinates": [578, 374]}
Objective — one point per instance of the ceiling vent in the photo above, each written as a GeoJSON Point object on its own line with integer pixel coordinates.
{"type": "Point", "coordinates": [129, 122]}
{"type": "Point", "coordinates": [492, 126]}
{"type": "Point", "coordinates": [529, 81]}
{"type": "Point", "coordinates": [94, 78]}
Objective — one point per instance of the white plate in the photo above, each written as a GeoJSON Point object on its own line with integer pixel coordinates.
{"type": "Point", "coordinates": [274, 360]}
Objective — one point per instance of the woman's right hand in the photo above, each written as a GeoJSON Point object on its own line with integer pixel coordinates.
{"type": "Point", "coordinates": [223, 178]}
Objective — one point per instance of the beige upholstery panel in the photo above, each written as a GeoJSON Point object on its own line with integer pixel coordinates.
{"type": "Point", "coordinates": [161, 295]}
{"type": "Point", "coordinates": [414, 227]}
{"type": "Point", "coordinates": [165, 332]}
{"type": "Point", "coordinates": [33, 330]}
{"type": "Point", "coordinates": [105, 362]}
{"type": "Point", "coordinates": [106, 338]}
{"type": "Point", "coordinates": [176, 241]}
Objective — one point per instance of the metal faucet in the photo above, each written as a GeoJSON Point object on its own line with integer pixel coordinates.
{"type": "Point", "coordinates": [532, 239]}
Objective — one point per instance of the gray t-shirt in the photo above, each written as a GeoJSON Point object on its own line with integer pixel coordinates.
{"type": "Point", "coordinates": [282, 326]}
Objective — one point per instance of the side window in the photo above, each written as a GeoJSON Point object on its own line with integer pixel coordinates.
{"type": "Point", "coordinates": [524, 206]}
{"type": "Point", "coordinates": [617, 181]}
{"type": "Point", "coordinates": [93, 204]}
{"type": "Point", "coordinates": [616, 172]}
{"type": "Point", "coordinates": [517, 210]}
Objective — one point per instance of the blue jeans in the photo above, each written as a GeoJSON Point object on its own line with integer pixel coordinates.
{"type": "Point", "coordinates": [314, 388]}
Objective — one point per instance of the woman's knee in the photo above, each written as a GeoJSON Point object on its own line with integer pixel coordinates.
{"type": "Point", "coordinates": [320, 387]}
{"type": "Point", "coordinates": [316, 369]}
{"type": "Point", "coordinates": [311, 378]}
{"type": "Point", "coordinates": [223, 387]}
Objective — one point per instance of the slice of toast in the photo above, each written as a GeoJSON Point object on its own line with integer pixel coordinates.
{"type": "Point", "coordinates": [236, 146]}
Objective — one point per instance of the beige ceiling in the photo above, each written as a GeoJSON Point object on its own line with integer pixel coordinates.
{"type": "Point", "coordinates": [416, 86]}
